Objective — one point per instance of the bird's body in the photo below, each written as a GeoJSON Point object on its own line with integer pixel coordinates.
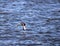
{"type": "Point", "coordinates": [24, 27]}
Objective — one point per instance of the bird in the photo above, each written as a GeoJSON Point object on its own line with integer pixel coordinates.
{"type": "Point", "coordinates": [23, 25]}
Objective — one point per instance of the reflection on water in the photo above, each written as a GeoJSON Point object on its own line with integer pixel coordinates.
{"type": "Point", "coordinates": [41, 16]}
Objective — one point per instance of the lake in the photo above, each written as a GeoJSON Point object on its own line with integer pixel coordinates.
{"type": "Point", "coordinates": [42, 18]}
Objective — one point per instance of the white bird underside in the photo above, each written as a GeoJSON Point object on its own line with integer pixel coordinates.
{"type": "Point", "coordinates": [24, 27]}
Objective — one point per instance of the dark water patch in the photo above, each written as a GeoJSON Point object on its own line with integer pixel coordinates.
{"type": "Point", "coordinates": [47, 35]}
{"type": "Point", "coordinates": [59, 1]}
{"type": "Point", "coordinates": [7, 38]}
{"type": "Point", "coordinates": [48, 32]}
{"type": "Point", "coordinates": [41, 32]}
{"type": "Point", "coordinates": [56, 19]}
{"type": "Point", "coordinates": [58, 31]}
{"type": "Point", "coordinates": [54, 39]}
{"type": "Point", "coordinates": [44, 1]}
{"type": "Point", "coordinates": [57, 28]}
{"type": "Point", "coordinates": [5, 13]}
{"type": "Point", "coordinates": [18, 44]}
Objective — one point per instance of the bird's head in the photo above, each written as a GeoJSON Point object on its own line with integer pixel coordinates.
{"type": "Point", "coordinates": [21, 24]}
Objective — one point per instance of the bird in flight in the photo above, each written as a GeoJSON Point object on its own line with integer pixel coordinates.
{"type": "Point", "coordinates": [23, 25]}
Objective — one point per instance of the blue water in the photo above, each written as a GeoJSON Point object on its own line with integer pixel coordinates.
{"type": "Point", "coordinates": [42, 18]}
